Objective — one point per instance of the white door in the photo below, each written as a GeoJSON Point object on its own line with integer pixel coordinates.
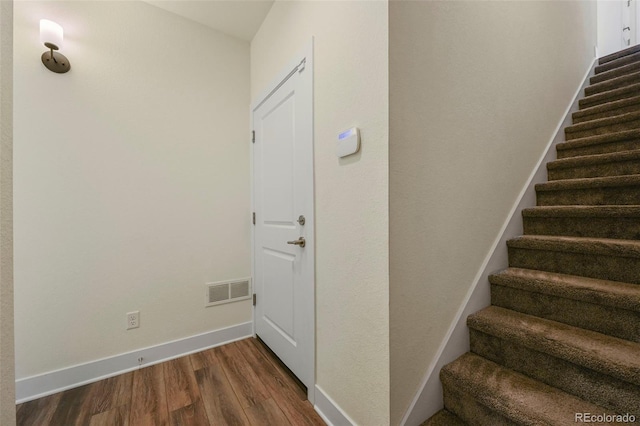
{"type": "Point", "coordinates": [282, 197]}
{"type": "Point", "coordinates": [617, 25]}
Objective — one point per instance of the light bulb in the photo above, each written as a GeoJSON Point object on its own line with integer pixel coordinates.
{"type": "Point", "coordinates": [51, 34]}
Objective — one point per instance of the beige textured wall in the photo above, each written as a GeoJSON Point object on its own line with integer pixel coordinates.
{"type": "Point", "coordinates": [131, 181]}
{"type": "Point", "coordinates": [350, 89]}
{"type": "Point", "coordinates": [476, 91]}
{"type": "Point", "coordinates": [7, 385]}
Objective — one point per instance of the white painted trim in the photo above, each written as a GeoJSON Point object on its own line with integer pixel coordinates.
{"type": "Point", "coordinates": [428, 399]}
{"type": "Point", "coordinates": [307, 52]}
{"type": "Point", "coordinates": [253, 226]}
{"type": "Point", "coordinates": [330, 412]}
{"type": "Point", "coordinates": [34, 387]}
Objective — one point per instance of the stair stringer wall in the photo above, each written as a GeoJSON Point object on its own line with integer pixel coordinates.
{"type": "Point", "coordinates": [428, 400]}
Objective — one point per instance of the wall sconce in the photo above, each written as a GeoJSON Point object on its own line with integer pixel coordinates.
{"type": "Point", "coordinates": [51, 36]}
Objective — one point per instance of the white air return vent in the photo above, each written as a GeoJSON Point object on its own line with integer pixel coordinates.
{"type": "Point", "coordinates": [228, 291]}
{"type": "Point", "coordinates": [218, 293]}
{"type": "Point", "coordinates": [239, 289]}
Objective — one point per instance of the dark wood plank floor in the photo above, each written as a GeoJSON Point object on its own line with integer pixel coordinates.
{"type": "Point", "coordinates": [241, 383]}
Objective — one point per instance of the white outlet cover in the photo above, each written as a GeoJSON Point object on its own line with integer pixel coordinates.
{"type": "Point", "coordinates": [133, 320]}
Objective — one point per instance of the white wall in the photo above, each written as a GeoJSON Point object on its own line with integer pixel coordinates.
{"type": "Point", "coordinates": [351, 195]}
{"type": "Point", "coordinates": [7, 388]}
{"type": "Point", "coordinates": [476, 91]}
{"type": "Point", "coordinates": [131, 181]}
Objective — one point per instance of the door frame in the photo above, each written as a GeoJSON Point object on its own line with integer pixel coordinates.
{"type": "Point", "coordinates": [304, 57]}
{"type": "Point", "coordinates": [633, 22]}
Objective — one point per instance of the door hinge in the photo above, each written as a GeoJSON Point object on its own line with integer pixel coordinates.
{"type": "Point", "coordinates": [254, 218]}
{"type": "Point", "coordinates": [253, 136]}
{"type": "Point", "coordinates": [254, 299]}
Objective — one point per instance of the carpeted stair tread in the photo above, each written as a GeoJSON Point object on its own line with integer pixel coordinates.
{"type": "Point", "coordinates": [597, 246]}
{"type": "Point", "coordinates": [628, 91]}
{"type": "Point", "coordinates": [444, 418]}
{"type": "Point", "coordinates": [609, 157]}
{"type": "Point", "coordinates": [613, 190]}
{"type": "Point", "coordinates": [608, 109]}
{"type": "Point", "coordinates": [597, 165]}
{"type": "Point", "coordinates": [617, 72]}
{"type": "Point", "coordinates": [600, 144]}
{"type": "Point", "coordinates": [617, 123]}
{"type": "Point", "coordinates": [613, 222]}
{"type": "Point", "coordinates": [613, 83]}
{"type": "Point", "coordinates": [619, 62]}
{"type": "Point", "coordinates": [596, 351]}
{"type": "Point", "coordinates": [583, 211]}
{"type": "Point", "coordinates": [513, 395]}
{"type": "Point", "coordinates": [620, 54]}
{"type": "Point", "coordinates": [597, 182]}
{"type": "Point", "coordinates": [602, 292]}
{"type": "Point", "coordinates": [596, 305]}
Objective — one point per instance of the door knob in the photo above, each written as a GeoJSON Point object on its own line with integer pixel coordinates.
{"type": "Point", "coordinates": [299, 242]}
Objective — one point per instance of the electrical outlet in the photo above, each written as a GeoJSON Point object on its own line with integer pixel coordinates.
{"type": "Point", "coordinates": [133, 320]}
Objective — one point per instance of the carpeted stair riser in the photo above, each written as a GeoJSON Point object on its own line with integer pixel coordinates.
{"type": "Point", "coordinates": [603, 126]}
{"type": "Point", "coordinates": [617, 63]}
{"type": "Point", "coordinates": [609, 96]}
{"type": "Point", "coordinates": [627, 228]}
{"type": "Point", "coordinates": [443, 418]}
{"type": "Point", "coordinates": [610, 109]}
{"type": "Point", "coordinates": [587, 259]}
{"type": "Point", "coordinates": [600, 144]}
{"type": "Point", "coordinates": [584, 264]}
{"type": "Point", "coordinates": [612, 164]}
{"type": "Point", "coordinates": [621, 323]}
{"type": "Point", "coordinates": [602, 292]}
{"type": "Point", "coordinates": [465, 406]}
{"type": "Point", "coordinates": [594, 387]}
{"type": "Point", "coordinates": [611, 195]}
{"type": "Point", "coordinates": [580, 226]}
{"type": "Point", "coordinates": [472, 383]}
{"type": "Point", "coordinates": [614, 83]}
{"type": "Point", "coordinates": [615, 190]}
{"type": "Point", "coordinates": [616, 72]}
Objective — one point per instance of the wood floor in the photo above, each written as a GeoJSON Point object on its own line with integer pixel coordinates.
{"type": "Point", "coordinates": [241, 383]}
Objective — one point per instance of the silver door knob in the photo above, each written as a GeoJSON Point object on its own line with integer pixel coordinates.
{"type": "Point", "coordinates": [299, 242]}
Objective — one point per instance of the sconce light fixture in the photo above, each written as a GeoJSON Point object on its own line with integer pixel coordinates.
{"type": "Point", "coordinates": [51, 36]}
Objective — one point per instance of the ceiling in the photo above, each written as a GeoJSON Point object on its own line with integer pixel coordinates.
{"type": "Point", "coordinates": [237, 18]}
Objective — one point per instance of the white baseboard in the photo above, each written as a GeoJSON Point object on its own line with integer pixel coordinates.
{"type": "Point", "coordinates": [330, 412]}
{"type": "Point", "coordinates": [429, 399]}
{"type": "Point", "coordinates": [34, 387]}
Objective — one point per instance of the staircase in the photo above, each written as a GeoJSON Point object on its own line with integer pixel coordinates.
{"type": "Point", "coordinates": [563, 333]}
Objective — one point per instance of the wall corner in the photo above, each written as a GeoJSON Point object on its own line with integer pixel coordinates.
{"type": "Point", "coordinates": [7, 369]}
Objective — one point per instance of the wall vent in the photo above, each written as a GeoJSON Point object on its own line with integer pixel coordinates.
{"type": "Point", "coordinates": [228, 291]}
